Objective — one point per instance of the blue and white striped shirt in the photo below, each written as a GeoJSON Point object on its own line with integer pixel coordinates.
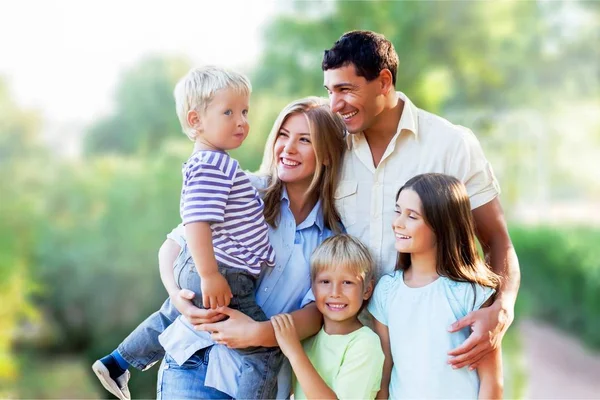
{"type": "Point", "coordinates": [217, 191]}
{"type": "Point", "coordinates": [282, 289]}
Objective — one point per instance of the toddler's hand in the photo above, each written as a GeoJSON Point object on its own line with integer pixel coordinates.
{"type": "Point", "coordinates": [196, 316]}
{"type": "Point", "coordinates": [215, 291]}
{"type": "Point", "coordinates": [286, 335]}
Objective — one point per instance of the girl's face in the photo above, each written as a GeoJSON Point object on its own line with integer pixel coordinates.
{"type": "Point", "coordinates": [413, 235]}
{"type": "Point", "coordinates": [294, 152]}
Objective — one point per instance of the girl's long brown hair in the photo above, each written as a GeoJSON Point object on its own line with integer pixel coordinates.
{"type": "Point", "coordinates": [447, 210]}
{"type": "Point", "coordinates": [327, 137]}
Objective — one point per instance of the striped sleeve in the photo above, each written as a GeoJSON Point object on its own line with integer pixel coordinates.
{"type": "Point", "coordinates": [205, 191]}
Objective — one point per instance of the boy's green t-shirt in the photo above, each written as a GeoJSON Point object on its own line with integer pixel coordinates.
{"type": "Point", "coordinates": [351, 365]}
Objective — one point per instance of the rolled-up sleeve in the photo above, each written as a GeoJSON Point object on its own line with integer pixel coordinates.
{"type": "Point", "coordinates": [468, 163]}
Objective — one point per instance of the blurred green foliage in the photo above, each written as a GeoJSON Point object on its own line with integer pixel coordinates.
{"type": "Point", "coordinates": [144, 115]}
{"type": "Point", "coordinates": [561, 277]}
{"type": "Point", "coordinates": [79, 237]}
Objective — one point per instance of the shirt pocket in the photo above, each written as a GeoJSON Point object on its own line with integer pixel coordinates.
{"type": "Point", "coordinates": [346, 201]}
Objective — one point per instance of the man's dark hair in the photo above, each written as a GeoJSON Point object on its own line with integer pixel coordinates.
{"type": "Point", "coordinates": [370, 53]}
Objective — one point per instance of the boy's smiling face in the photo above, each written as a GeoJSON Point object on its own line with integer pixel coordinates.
{"type": "Point", "coordinates": [224, 124]}
{"type": "Point", "coordinates": [339, 294]}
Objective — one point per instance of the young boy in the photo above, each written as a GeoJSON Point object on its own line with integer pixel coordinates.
{"type": "Point", "coordinates": [227, 235]}
{"type": "Point", "coordinates": [344, 360]}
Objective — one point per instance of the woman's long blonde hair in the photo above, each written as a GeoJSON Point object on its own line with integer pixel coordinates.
{"type": "Point", "coordinates": [327, 136]}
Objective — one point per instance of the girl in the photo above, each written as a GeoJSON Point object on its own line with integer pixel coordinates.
{"type": "Point", "coordinates": [438, 279]}
{"type": "Point", "coordinates": [344, 360]}
{"type": "Point", "coordinates": [298, 177]}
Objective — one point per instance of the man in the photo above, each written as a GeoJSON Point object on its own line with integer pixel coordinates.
{"type": "Point", "coordinates": [389, 141]}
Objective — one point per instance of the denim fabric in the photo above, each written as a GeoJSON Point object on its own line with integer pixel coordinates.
{"type": "Point", "coordinates": [284, 288]}
{"type": "Point", "coordinates": [141, 348]}
{"type": "Point", "coordinates": [260, 365]}
{"type": "Point", "coordinates": [186, 381]}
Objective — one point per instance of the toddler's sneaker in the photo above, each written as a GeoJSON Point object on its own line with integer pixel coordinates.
{"type": "Point", "coordinates": [117, 385]}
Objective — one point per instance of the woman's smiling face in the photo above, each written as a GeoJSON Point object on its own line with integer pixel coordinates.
{"type": "Point", "coordinates": [294, 152]}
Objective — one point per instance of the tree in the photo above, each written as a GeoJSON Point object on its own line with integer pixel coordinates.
{"type": "Point", "coordinates": [144, 113]}
{"type": "Point", "coordinates": [452, 53]}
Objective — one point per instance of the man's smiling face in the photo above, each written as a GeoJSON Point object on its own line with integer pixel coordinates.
{"type": "Point", "coordinates": [356, 100]}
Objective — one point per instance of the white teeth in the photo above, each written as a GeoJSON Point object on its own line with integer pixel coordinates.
{"type": "Point", "coordinates": [290, 163]}
{"type": "Point", "coordinates": [349, 115]}
{"type": "Point", "coordinates": [337, 306]}
{"type": "Point", "coordinates": [402, 236]}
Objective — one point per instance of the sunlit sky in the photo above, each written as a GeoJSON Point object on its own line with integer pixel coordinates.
{"type": "Point", "coordinates": [64, 57]}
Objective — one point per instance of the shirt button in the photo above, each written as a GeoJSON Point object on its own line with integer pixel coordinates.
{"type": "Point", "coordinates": [266, 289]}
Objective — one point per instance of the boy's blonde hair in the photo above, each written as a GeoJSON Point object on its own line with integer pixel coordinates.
{"type": "Point", "coordinates": [343, 251]}
{"type": "Point", "coordinates": [197, 88]}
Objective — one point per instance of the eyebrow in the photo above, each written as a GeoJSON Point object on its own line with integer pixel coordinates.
{"type": "Point", "coordinates": [342, 84]}
{"type": "Point", "coordinates": [409, 209]}
{"type": "Point", "coordinates": [286, 131]}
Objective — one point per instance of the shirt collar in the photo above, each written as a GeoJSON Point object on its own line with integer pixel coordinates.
{"type": "Point", "coordinates": [408, 122]}
{"type": "Point", "coordinates": [315, 217]}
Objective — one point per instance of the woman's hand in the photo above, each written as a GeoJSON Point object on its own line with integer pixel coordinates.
{"type": "Point", "coordinates": [286, 335]}
{"type": "Point", "coordinates": [195, 315]}
{"type": "Point", "coordinates": [239, 331]}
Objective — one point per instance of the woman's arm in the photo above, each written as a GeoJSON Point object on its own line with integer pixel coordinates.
{"type": "Point", "coordinates": [167, 254]}
{"type": "Point", "coordinates": [384, 335]}
{"type": "Point", "coordinates": [490, 376]}
{"type": "Point", "coordinates": [312, 384]}
{"type": "Point", "coordinates": [241, 331]}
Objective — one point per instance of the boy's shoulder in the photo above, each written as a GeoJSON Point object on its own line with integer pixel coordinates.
{"type": "Point", "coordinates": [366, 336]}
{"type": "Point", "coordinates": [364, 341]}
{"type": "Point", "coordinates": [212, 160]}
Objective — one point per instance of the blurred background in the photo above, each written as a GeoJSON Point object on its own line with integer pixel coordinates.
{"type": "Point", "coordinates": [91, 151]}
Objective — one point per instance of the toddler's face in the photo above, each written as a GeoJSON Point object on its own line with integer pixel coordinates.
{"type": "Point", "coordinates": [224, 123]}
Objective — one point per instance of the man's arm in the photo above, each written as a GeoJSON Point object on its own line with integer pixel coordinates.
{"type": "Point", "coordinates": [492, 233]}
{"type": "Point", "coordinates": [490, 324]}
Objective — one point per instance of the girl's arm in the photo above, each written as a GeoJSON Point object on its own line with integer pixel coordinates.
{"type": "Point", "coordinates": [384, 335]}
{"type": "Point", "coordinates": [490, 376]}
{"type": "Point", "coordinates": [312, 384]}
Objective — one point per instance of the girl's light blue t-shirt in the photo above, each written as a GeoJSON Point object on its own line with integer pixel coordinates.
{"type": "Point", "coordinates": [418, 321]}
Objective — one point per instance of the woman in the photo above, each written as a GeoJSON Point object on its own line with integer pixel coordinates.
{"type": "Point", "coordinates": [298, 178]}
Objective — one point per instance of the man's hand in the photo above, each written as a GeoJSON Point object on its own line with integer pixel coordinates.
{"type": "Point", "coordinates": [239, 331]}
{"type": "Point", "coordinates": [286, 335]}
{"type": "Point", "coordinates": [196, 316]}
{"type": "Point", "coordinates": [215, 290]}
{"type": "Point", "coordinates": [488, 327]}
